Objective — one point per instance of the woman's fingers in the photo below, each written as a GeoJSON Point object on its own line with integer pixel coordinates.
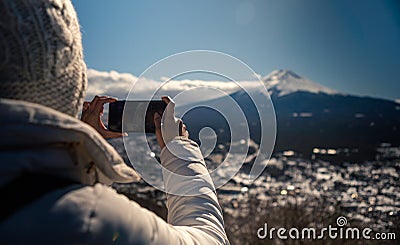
{"type": "Point", "coordinates": [98, 107]}
{"type": "Point", "coordinates": [169, 112]}
{"type": "Point", "coordinates": [98, 102]}
{"type": "Point", "coordinates": [171, 125]}
{"type": "Point", "coordinates": [91, 114]}
{"type": "Point", "coordinates": [170, 103]}
{"type": "Point", "coordinates": [166, 99]}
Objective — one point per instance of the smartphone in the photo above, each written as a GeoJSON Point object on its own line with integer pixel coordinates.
{"type": "Point", "coordinates": [138, 115]}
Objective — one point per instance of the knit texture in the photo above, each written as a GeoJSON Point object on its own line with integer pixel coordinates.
{"type": "Point", "coordinates": [41, 58]}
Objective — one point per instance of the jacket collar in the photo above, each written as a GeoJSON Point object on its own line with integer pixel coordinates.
{"type": "Point", "coordinates": [25, 125]}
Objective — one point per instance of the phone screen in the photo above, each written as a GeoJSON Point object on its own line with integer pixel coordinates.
{"type": "Point", "coordinates": [138, 115]}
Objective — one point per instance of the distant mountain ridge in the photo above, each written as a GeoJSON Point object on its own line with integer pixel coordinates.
{"type": "Point", "coordinates": [311, 116]}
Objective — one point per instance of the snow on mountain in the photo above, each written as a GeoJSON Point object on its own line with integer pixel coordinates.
{"type": "Point", "coordinates": [283, 82]}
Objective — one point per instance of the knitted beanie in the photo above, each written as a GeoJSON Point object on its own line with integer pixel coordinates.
{"type": "Point", "coordinates": [41, 59]}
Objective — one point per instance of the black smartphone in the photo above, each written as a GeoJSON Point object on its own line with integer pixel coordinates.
{"type": "Point", "coordinates": [138, 117]}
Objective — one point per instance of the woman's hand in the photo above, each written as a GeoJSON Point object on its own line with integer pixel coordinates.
{"type": "Point", "coordinates": [92, 112]}
{"type": "Point", "coordinates": [168, 127]}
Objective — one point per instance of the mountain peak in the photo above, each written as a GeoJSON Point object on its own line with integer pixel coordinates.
{"type": "Point", "coordinates": [282, 74]}
{"type": "Point", "coordinates": [283, 82]}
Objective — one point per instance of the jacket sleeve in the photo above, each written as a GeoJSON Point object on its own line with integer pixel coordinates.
{"type": "Point", "coordinates": [194, 218]}
{"type": "Point", "coordinates": [192, 203]}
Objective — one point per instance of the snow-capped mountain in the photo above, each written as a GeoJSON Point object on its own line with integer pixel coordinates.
{"type": "Point", "coordinates": [283, 82]}
{"type": "Point", "coordinates": [310, 116]}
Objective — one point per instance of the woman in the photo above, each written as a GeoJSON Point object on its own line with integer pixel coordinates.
{"type": "Point", "coordinates": [56, 170]}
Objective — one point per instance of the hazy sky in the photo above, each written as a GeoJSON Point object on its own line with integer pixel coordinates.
{"type": "Point", "coordinates": [352, 46]}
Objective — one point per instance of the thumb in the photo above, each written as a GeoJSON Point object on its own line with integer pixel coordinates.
{"type": "Point", "coordinates": [157, 123]}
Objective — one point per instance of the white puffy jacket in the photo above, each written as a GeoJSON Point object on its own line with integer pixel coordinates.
{"type": "Point", "coordinates": [38, 139]}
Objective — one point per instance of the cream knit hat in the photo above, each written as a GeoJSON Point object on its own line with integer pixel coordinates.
{"type": "Point", "coordinates": [41, 57]}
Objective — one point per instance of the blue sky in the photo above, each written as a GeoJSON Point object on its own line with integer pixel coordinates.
{"type": "Point", "coordinates": [351, 46]}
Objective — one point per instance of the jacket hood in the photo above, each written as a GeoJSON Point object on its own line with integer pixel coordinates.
{"type": "Point", "coordinates": [29, 127]}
